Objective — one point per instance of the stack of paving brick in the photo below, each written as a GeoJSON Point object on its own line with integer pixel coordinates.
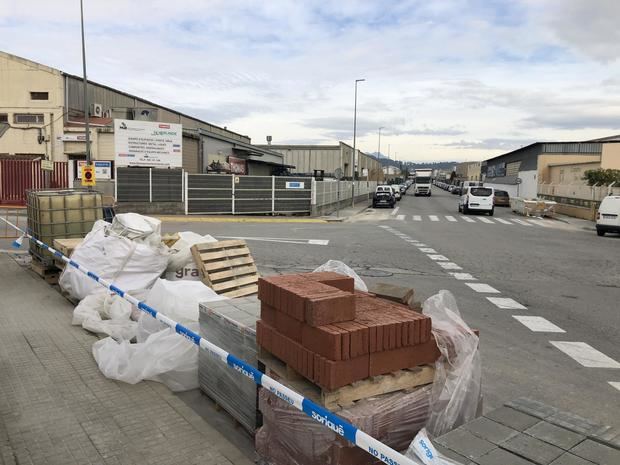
{"type": "Point", "coordinates": [333, 336]}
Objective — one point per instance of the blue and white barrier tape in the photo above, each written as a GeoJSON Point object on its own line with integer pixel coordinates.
{"type": "Point", "coordinates": [345, 429]}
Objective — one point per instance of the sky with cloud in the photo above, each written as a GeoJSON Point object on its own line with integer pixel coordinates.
{"type": "Point", "coordinates": [446, 79]}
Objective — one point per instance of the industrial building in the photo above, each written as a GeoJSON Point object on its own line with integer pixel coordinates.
{"type": "Point", "coordinates": [468, 171]}
{"type": "Point", "coordinates": [308, 158]}
{"type": "Point", "coordinates": [521, 171]}
{"type": "Point", "coordinates": [42, 117]}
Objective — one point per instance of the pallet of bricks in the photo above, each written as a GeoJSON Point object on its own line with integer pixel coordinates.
{"type": "Point", "coordinates": [366, 358]}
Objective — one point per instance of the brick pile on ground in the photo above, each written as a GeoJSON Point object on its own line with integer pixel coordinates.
{"type": "Point", "coordinates": [333, 335]}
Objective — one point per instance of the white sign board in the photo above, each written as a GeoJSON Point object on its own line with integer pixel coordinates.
{"type": "Point", "coordinates": [103, 169]}
{"type": "Point", "coordinates": [294, 185]}
{"type": "Point", "coordinates": [145, 143]}
{"type": "Point", "coordinates": [72, 137]}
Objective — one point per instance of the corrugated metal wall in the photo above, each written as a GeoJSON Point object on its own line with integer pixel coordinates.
{"type": "Point", "coordinates": [191, 159]}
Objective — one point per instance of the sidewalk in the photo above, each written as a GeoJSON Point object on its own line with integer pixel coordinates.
{"type": "Point", "coordinates": [577, 222]}
{"type": "Point", "coordinates": [57, 408]}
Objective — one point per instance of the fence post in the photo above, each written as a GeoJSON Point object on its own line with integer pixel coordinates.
{"type": "Point", "coordinates": [150, 185]}
{"type": "Point", "coordinates": [273, 195]}
{"type": "Point", "coordinates": [232, 180]}
{"type": "Point", "coordinates": [313, 194]}
{"type": "Point", "coordinates": [186, 177]}
{"type": "Point", "coordinates": [610, 187]}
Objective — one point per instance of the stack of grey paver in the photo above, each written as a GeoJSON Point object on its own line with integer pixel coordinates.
{"type": "Point", "coordinates": [231, 325]}
{"type": "Point", "coordinates": [526, 432]}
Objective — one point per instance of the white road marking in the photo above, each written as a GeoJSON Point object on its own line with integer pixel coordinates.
{"type": "Point", "coordinates": [427, 250]}
{"type": "Point", "coordinates": [538, 324]}
{"type": "Point", "coordinates": [385, 227]}
{"type": "Point", "coordinates": [467, 218]}
{"type": "Point", "coordinates": [283, 240]}
{"type": "Point", "coordinates": [506, 303]}
{"type": "Point", "coordinates": [450, 218]}
{"type": "Point", "coordinates": [401, 217]}
{"type": "Point", "coordinates": [615, 384]}
{"type": "Point", "coordinates": [518, 221]}
{"type": "Point", "coordinates": [438, 258]}
{"type": "Point", "coordinates": [463, 276]}
{"type": "Point", "coordinates": [585, 354]}
{"type": "Point", "coordinates": [539, 223]}
{"type": "Point", "coordinates": [421, 245]}
{"type": "Point", "coordinates": [482, 288]}
{"type": "Point", "coordinates": [433, 217]}
{"type": "Point", "coordinates": [503, 221]}
{"type": "Point", "coordinates": [417, 217]}
{"type": "Point", "coordinates": [394, 211]}
{"type": "Point", "coordinates": [485, 220]}
{"type": "Point", "coordinates": [449, 266]}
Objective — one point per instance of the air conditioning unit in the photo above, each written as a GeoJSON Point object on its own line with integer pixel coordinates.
{"type": "Point", "coordinates": [145, 114]}
{"type": "Point", "coordinates": [107, 114]}
{"type": "Point", "coordinates": [96, 109]}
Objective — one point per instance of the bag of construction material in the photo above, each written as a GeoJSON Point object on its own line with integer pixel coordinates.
{"type": "Point", "coordinates": [130, 264]}
{"type": "Point", "coordinates": [138, 228]}
{"type": "Point", "coordinates": [339, 267]}
{"type": "Point", "coordinates": [181, 264]}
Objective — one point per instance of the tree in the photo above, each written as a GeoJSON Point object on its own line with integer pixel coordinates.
{"type": "Point", "coordinates": [601, 177]}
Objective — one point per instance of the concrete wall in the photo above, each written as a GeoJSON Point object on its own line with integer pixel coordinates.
{"type": "Point", "coordinates": [19, 77]}
{"type": "Point", "coordinates": [610, 159]}
{"type": "Point", "coordinates": [527, 189]}
{"type": "Point", "coordinates": [570, 173]}
{"type": "Point", "coordinates": [556, 159]}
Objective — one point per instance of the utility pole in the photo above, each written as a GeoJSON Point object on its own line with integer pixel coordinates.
{"type": "Point", "coordinates": [379, 148]}
{"type": "Point", "coordinates": [354, 140]}
{"type": "Point", "coordinates": [86, 116]}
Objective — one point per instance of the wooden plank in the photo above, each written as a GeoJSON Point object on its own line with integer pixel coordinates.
{"type": "Point", "coordinates": [67, 245]}
{"type": "Point", "coordinates": [234, 271]}
{"type": "Point", "coordinates": [220, 245]}
{"type": "Point", "coordinates": [234, 282]}
{"type": "Point", "coordinates": [244, 291]}
{"type": "Point", "coordinates": [224, 254]}
{"type": "Point", "coordinates": [232, 262]}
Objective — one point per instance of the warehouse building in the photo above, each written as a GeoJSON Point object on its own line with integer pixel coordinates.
{"type": "Point", "coordinates": [521, 171]}
{"type": "Point", "coordinates": [42, 117]}
{"type": "Point", "coordinates": [468, 171]}
{"type": "Point", "coordinates": [306, 159]}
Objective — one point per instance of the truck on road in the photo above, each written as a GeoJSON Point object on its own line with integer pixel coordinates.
{"type": "Point", "coordinates": [422, 182]}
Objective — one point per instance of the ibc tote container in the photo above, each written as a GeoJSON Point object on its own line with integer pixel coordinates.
{"type": "Point", "coordinates": [61, 213]}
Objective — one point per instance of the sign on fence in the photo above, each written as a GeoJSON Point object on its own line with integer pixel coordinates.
{"type": "Point", "coordinates": [294, 185]}
{"type": "Point", "coordinates": [145, 143]}
{"type": "Point", "coordinates": [103, 169]}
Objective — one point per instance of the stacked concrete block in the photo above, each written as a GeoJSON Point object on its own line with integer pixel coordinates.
{"type": "Point", "coordinates": [318, 325]}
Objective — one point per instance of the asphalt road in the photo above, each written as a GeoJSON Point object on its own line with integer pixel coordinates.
{"type": "Point", "coordinates": [564, 274]}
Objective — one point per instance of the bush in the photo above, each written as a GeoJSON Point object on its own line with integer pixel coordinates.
{"type": "Point", "coordinates": [602, 177]}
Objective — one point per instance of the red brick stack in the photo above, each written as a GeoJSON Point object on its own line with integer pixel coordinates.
{"type": "Point", "coordinates": [332, 335]}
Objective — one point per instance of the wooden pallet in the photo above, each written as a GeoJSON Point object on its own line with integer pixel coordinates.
{"type": "Point", "coordinates": [49, 273]}
{"type": "Point", "coordinates": [345, 396]}
{"type": "Point", "coordinates": [227, 267]}
{"type": "Point", "coordinates": [66, 246]}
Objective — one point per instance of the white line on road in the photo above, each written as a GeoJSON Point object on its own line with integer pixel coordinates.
{"type": "Point", "coordinates": [538, 324]}
{"type": "Point", "coordinates": [539, 223]}
{"type": "Point", "coordinates": [427, 250]}
{"type": "Point", "coordinates": [449, 266]}
{"type": "Point", "coordinates": [318, 241]}
{"type": "Point", "coordinates": [485, 220]}
{"type": "Point", "coordinates": [518, 221]}
{"type": "Point", "coordinates": [506, 303]}
{"type": "Point", "coordinates": [394, 211]}
{"type": "Point", "coordinates": [468, 219]}
{"type": "Point", "coordinates": [450, 218]}
{"type": "Point", "coordinates": [503, 221]}
{"type": "Point", "coordinates": [482, 288]}
{"type": "Point", "coordinates": [615, 384]}
{"type": "Point", "coordinates": [417, 217]}
{"type": "Point", "coordinates": [433, 217]}
{"type": "Point", "coordinates": [438, 258]}
{"type": "Point", "coordinates": [385, 227]}
{"type": "Point", "coordinates": [585, 354]}
{"type": "Point", "coordinates": [463, 276]}
{"type": "Point", "coordinates": [401, 217]}
{"type": "Point", "coordinates": [284, 240]}
{"type": "Point", "coordinates": [421, 245]}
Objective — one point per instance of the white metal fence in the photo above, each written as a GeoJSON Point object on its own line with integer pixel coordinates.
{"type": "Point", "coordinates": [581, 192]}
{"type": "Point", "coordinates": [329, 192]}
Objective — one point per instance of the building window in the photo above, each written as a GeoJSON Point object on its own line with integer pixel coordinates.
{"type": "Point", "coordinates": [28, 118]}
{"type": "Point", "coordinates": [39, 96]}
{"type": "Point", "coordinates": [4, 118]}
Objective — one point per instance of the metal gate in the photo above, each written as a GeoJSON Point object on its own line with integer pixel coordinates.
{"type": "Point", "coordinates": [242, 195]}
{"type": "Point", "coordinates": [18, 176]}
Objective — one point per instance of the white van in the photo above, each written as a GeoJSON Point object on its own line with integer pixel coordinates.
{"type": "Point", "coordinates": [477, 199]}
{"type": "Point", "coordinates": [608, 215]}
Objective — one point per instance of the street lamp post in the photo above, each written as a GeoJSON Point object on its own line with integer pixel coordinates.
{"type": "Point", "coordinates": [86, 117]}
{"type": "Point", "coordinates": [379, 148]}
{"type": "Point", "coordinates": [354, 141]}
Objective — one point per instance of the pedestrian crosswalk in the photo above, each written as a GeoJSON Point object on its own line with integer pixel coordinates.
{"type": "Point", "coordinates": [476, 219]}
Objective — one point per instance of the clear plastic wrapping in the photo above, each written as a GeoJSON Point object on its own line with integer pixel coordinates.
{"type": "Point", "coordinates": [341, 268]}
{"type": "Point", "coordinates": [231, 325]}
{"type": "Point", "coordinates": [289, 437]}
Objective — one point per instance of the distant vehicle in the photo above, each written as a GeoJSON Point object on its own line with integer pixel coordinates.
{"type": "Point", "coordinates": [501, 199]}
{"type": "Point", "coordinates": [456, 190]}
{"type": "Point", "coordinates": [403, 188]}
{"type": "Point", "coordinates": [477, 199]}
{"type": "Point", "coordinates": [396, 190]}
{"type": "Point", "coordinates": [472, 184]}
{"type": "Point", "coordinates": [422, 182]}
{"type": "Point", "coordinates": [450, 187]}
{"type": "Point", "coordinates": [608, 215]}
{"type": "Point", "coordinates": [384, 196]}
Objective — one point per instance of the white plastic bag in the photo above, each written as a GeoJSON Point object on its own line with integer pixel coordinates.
{"type": "Point", "coordinates": [422, 451]}
{"type": "Point", "coordinates": [128, 264]}
{"type": "Point", "coordinates": [165, 357]}
{"type": "Point", "coordinates": [138, 228]}
{"type": "Point", "coordinates": [339, 267]}
{"type": "Point", "coordinates": [457, 386]}
{"type": "Point", "coordinates": [181, 264]}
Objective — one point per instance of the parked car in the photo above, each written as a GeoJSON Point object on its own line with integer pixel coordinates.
{"type": "Point", "coordinates": [501, 199]}
{"type": "Point", "coordinates": [456, 190]}
{"type": "Point", "coordinates": [383, 197]}
{"type": "Point", "coordinates": [477, 199]}
{"type": "Point", "coordinates": [396, 190]}
{"type": "Point", "coordinates": [403, 189]}
{"type": "Point", "coordinates": [608, 215]}
{"type": "Point", "coordinates": [450, 187]}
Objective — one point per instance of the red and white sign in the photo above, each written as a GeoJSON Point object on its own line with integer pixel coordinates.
{"type": "Point", "coordinates": [237, 165]}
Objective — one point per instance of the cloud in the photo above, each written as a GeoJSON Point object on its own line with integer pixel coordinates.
{"type": "Point", "coordinates": [572, 120]}
{"type": "Point", "coordinates": [490, 144]}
